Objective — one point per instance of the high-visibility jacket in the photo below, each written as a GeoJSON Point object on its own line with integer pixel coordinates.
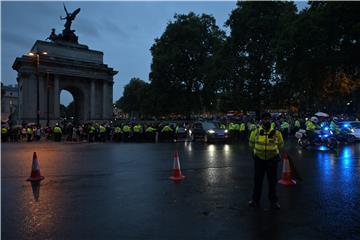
{"type": "Point", "coordinates": [297, 123]}
{"type": "Point", "coordinates": [92, 129]}
{"type": "Point", "coordinates": [166, 128]}
{"type": "Point", "coordinates": [4, 130]}
{"type": "Point", "coordinates": [102, 129]}
{"type": "Point", "coordinates": [284, 125]}
{"type": "Point", "coordinates": [117, 130]}
{"type": "Point", "coordinates": [231, 126]}
{"type": "Point", "coordinates": [273, 125]}
{"type": "Point", "coordinates": [236, 127]}
{"type": "Point", "coordinates": [137, 128]}
{"type": "Point", "coordinates": [242, 127]}
{"type": "Point", "coordinates": [126, 129]}
{"type": "Point", "coordinates": [57, 130]}
{"type": "Point", "coordinates": [29, 130]}
{"type": "Point", "coordinates": [266, 144]}
{"type": "Point", "coordinates": [150, 130]}
{"type": "Point", "coordinates": [310, 126]}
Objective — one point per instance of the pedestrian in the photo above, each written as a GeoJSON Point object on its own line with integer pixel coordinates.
{"type": "Point", "coordinates": [29, 133]}
{"type": "Point", "coordinates": [265, 142]}
{"type": "Point", "coordinates": [38, 133]}
{"type": "Point", "coordinates": [4, 134]}
{"type": "Point", "coordinates": [57, 133]}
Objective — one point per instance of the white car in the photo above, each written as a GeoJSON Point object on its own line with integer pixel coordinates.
{"type": "Point", "coordinates": [354, 127]}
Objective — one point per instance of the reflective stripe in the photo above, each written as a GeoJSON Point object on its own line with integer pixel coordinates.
{"type": "Point", "coordinates": [271, 143]}
{"type": "Point", "coordinates": [266, 147]}
{"type": "Point", "coordinates": [267, 150]}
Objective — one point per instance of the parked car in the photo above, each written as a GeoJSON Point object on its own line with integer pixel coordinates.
{"type": "Point", "coordinates": [208, 131]}
{"type": "Point", "coordinates": [353, 126]}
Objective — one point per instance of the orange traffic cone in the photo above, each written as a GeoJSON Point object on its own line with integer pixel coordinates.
{"type": "Point", "coordinates": [35, 171]}
{"type": "Point", "coordinates": [176, 173]}
{"type": "Point", "coordinates": [286, 178]}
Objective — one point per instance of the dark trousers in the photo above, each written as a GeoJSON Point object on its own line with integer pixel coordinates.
{"type": "Point", "coordinates": [270, 168]}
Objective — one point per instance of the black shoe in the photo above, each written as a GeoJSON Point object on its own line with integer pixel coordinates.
{"type": "Point", "coordinates": [253, 204]}
{"type": "Point", "coordinates": [275, 206]}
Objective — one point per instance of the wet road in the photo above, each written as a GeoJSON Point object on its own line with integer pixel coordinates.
{"type": "Point", "coordinates": [122, 191]}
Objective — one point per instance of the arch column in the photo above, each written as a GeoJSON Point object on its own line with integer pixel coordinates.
{"type": "Point", "coordinates": [56, 98]}
{"type": "Point", "coordinates": [92, 99]}
{"type": "Point", "coordinates": [104, 103]}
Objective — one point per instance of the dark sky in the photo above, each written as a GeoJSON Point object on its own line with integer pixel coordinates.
{"type": "Point", "coordinates": [124, 31]}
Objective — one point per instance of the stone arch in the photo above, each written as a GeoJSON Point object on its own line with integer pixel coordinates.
{"type": "Point", "coordinates": [68, 66]}
{"type": "Point", "coordinates": [79, 100]}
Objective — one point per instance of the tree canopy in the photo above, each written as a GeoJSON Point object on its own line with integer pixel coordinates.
{"type": "Point", "coordinates": [274, 57]}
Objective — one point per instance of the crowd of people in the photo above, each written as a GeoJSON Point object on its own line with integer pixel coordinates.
{"type": "Point", "coordinates": [140, 131]}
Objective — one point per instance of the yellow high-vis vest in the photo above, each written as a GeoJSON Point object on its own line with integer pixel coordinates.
{"type": "Point", "coordinates": [266, 144]}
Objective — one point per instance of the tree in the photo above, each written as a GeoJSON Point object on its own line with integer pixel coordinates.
{"type": "Point", "coordinates": [135, 98]}
{"type": "Point", "coordinates": [319, 50]}
{"type": "Point", "coordinates": [182, 57]}
{"type": "Point", "coordinates": [255, 28]}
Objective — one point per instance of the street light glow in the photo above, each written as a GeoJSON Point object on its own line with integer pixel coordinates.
{"type": "Point", "coordinates": [37, 53]}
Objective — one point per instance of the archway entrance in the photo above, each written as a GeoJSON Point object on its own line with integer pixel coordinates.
{"type": "Point", "coordinates": [71, 105]}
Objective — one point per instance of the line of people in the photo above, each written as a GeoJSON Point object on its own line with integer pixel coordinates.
{"type": "Point", "coordinates": [239, 129]}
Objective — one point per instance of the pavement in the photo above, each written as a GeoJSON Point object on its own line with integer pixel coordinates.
{"type": "Point", "coordinates": [123, 191]}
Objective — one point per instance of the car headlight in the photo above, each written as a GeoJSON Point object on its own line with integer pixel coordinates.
{"type": "Point", "coordinates": [211, 131]}
{"type": "Point", "coordinates": [225, 131]}
{"type": "Point", "coordinates": [352, 130]}
{"type": "Point", "coordinates": [190, 132]}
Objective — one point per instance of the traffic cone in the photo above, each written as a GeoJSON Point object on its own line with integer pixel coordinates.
{"type": "Point", "coordinates": [176, 173]}
{"type": "Point", "coordinates": [286, 178]}
{"type": "Point", "coordinates": [35, 171]}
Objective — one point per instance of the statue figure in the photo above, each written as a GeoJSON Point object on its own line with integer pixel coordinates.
{"type": "Point", "coordinates": [67, 33]}
{"type": "Point", "coordinates": [53, 35]}
{"type": "Point", "coordinates": [69, 18]}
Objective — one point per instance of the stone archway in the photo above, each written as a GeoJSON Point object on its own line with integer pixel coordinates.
{"type": "Point", "coordinates": [78, 101]}
{"type": "Point", "coordinates": [69, 66]}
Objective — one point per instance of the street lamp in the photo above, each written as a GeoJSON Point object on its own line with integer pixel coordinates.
{"type": "Point", "coordinates": [37, 55]}
{"type": "Point", "coordinates": [47, 100]}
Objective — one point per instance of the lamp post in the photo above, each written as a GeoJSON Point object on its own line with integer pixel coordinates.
{"type": "Point", "coordinates": [37, 55]}
{"type": "Point", "coordinates": [47, 100]}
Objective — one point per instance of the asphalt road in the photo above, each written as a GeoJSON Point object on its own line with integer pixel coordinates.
{"type": "Point", "coordinates": [123, 191]}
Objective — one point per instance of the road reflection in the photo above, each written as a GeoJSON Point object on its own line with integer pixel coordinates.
{"type": "Point", "coordinates": [36, 190]}
{"type": "Point", "coordinates": [341, 166]}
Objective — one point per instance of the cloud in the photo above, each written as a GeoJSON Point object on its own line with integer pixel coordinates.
{"type": "Point", "coordinates": [113, 28]}
{"type": "Point", "coordinates": [86, 27]}
{"type": "Point", "coordinates": [15, 39]}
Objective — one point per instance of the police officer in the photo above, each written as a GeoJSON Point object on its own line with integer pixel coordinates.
{"type": "Point", "coordinates": [102, 132]}
{"type": "Point", "coordinates": [265, 143]}
{"type": "Point", "coordinates": [4, 134]}
{"type": "Point", "coordinates": [284, 128]}
{"type": "Point", "coordinates": [29, 133]}
{"type": "Point", "coordinates": [57, 133]}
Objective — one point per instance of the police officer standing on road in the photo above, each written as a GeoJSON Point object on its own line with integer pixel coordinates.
{"type": "Point", "coordinates": [265, 142]}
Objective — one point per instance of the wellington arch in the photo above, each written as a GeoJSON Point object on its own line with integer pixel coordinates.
{"type": "Point", "coordinates": [63, 64]}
